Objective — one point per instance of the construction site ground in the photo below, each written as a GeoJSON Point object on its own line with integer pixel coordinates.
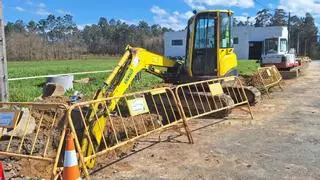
{"type": "Point", "coordinates": [282, 142]}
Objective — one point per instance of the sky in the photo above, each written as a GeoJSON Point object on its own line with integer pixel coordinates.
{"type": "Point", "coordinates": [168, 13]}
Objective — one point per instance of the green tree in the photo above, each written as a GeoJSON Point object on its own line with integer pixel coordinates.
{"type": "Point", "coordinates": [263, 18]}
{"type": "Point", "coordinates": [19, 26]}
{"type": "Point", "coordinates": [57, 37]}
{"type": "Point", "coordinates": [309, 32]}
{"type": "Point", "coordinates": [103, 22]}
{"type": "Point", "coordinates": [248, 23]}
{"type": "Point", "coordinates": [279, 18]}
{"type": "Point", "coordinates": [9, 28]}
{"type": "Point", "coordinates": [295, 32]}
{"type": "Point", "coordinates": [32, 27]}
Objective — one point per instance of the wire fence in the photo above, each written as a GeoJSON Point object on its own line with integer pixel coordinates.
{"type": "Point", "coordinates": [56, 75]}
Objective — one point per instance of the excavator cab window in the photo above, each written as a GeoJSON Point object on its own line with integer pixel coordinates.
{"type": "Point", "coordinates": [204, 57]}
{"type": "Point", "coordinates": [225, 31]}
{"type": "Point", "coordinates": [271, 46]}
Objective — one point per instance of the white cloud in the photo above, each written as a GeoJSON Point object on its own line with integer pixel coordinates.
{"type": "Point", "coordinates": [185, 15]}
{"type": "Point", "coordinates": [63, 12]}
{"type": "Point", "coordinates": [175, 20]}
{"type": "Point", "coordinates": [195, 4]}
{"type": "Point", "coordinates": [42, 10]}
{"type": "Point", "coordinates": [300, 7]}
{"type": "Point", "coordinates": [42, 5]}
{"type": "Point", "coordinates": [158, 11]}
{"type": "Point", "coordinates": [245, 14]}
{"type": "Point", "coordinates": [130, 22]}
{"type": "Point", "coordinates": [245, 18]}
{"type": "Point", "coordinates": [202, 4]}
{"type": "Point", "coordinates": [82, 26]}
{"type": "Point", "coordinates": [18, 8]}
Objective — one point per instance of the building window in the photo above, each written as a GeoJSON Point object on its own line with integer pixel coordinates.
{"type": "Point", "coordinates": [177, 42]}
{"type": "Point", "coordinates": [235, 40]}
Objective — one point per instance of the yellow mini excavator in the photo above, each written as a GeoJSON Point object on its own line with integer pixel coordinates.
{"type": "Point", "coordinates": [209, 54]}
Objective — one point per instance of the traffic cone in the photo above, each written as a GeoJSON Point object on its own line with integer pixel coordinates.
{"type": "Point", "coordinates": [71, 169]}
{"type": "Point", "coordinates": [1, 172]}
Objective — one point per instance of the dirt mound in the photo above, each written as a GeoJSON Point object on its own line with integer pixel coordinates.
{"type": "Point", "coordinates": [44, 124]}
{"type": "Point", "coordinates": [55, 99]}
{"type": "Point", "coordinates": [49, 135]}
{"type": "Point", "coordinates": [119, 129]}
{"type": "Point", "coordinates": [130, 127]}
{"type": "Point", "coordinates": [125, 128]}
{"type": "Point", "coordinates": [253, 80]}
{"type": "Point", "coordinates": [27, 169]}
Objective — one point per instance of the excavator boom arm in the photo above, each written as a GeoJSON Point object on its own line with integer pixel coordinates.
{"type": "Point", "coordinates": [133, 61]}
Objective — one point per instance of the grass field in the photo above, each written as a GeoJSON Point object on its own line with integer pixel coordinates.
{"type": "Point", "coordinates": [247, 67]}
{"type": "Point", "coordinates": [28, 90]}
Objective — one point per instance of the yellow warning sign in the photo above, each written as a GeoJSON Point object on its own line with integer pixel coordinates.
{"type": "Point", "coordinates": [216, 89]}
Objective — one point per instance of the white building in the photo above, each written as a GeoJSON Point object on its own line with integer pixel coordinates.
{"type": "Point", "coordinates": [175, 44]}
{"type": "Point", "coordinates": [248, 41]}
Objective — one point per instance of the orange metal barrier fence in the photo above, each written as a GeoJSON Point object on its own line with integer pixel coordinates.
{"type": "Point", "coordinates": [270, 77]}
{"type": "Point", "coordinates": [33, 131]}
{"type": "Point", "coordinates": [203, 98]}
{"type": "Point", "coordinates": [37, 130]}
{"type": "Point", "coordinates": [135, 116]}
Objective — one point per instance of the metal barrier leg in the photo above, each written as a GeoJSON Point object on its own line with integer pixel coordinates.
{"type": "Point", "coordinates": [251, 114]}
{"type": "Point", "coordinates": [267, 91]}
{"type": "Point", "coordinates": [178, 130]}
{"type": "Point", "coordinates": [280, 86]}
{"type": "Point", "coordinates": [54, 170]}
{"type": "Point", "coordinates": [184, 121]}
{"type": "Point", "coordinates": [248, 103]}
{"type": "Point", "coordinates": [78, 147]}
{"type": "Point", "coordinates": [188, 132]}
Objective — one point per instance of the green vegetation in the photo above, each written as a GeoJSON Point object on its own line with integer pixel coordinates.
{"type": "Point", "coordinates": [28, 90]}
{"type": "Point", "coordinates": [36, 68]}
{"type": "Point", "coordinates": [247, 67]}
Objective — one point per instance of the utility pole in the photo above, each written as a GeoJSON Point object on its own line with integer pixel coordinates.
{"type": "Point", "coordinates": [298, 43]}
{"type": "Point", "coordinates": [305, 46]}
{"type": "Point", "coordinates": [3, 58]}
{"type": "Point", "coordinates": [289, 29]}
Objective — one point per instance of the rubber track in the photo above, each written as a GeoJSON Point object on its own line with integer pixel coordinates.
{"type": "Point", "coordinates": [253, 94]}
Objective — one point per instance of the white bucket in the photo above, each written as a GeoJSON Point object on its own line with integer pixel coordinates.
{"type": "Point", "coordinates": [66, 81]}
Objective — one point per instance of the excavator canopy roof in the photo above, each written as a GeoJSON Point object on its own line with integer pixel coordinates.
{"type": "Point", "coordinates": [207, 11]}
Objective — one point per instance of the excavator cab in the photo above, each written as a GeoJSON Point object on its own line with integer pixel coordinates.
{"type": "Point", "coordinates": [209, 47]}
